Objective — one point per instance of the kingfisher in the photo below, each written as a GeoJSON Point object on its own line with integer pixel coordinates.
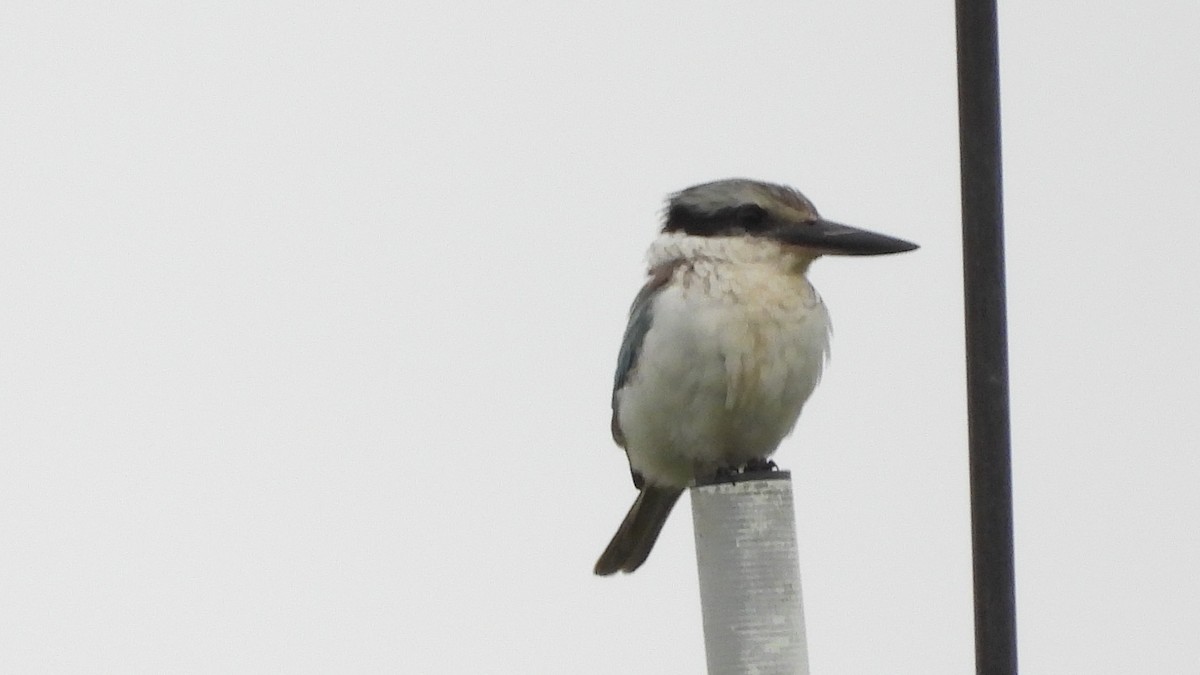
{"type": "Point", "coordinates": [725, 342]}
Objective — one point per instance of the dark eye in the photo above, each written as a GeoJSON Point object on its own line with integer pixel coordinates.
{"type": "Point", "coordinates": [751, 216]}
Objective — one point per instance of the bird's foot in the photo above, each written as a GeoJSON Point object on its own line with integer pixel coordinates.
{"type": "Point", "coordinates": [733, 473]}
{"type": "Point", "coordinates": [726, 473]}
{"type": "Point", "coordinates": [760, 464]}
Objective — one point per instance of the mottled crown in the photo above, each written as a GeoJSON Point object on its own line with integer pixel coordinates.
{"type": "Point", "coordinates": [734, 205]}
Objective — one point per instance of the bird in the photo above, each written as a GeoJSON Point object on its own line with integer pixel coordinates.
{"type": "Point", "coordinates": [724, 343]}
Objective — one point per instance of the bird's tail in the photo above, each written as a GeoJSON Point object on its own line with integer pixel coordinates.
{"type": "Point", "coordinates": [632, 543]}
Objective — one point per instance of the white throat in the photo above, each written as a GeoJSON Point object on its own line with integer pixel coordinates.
{"type": "Point", "coordinates": [672, 246]}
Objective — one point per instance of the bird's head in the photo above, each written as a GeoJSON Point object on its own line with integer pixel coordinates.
{"type": "Point", "coordinates": [738, 207]}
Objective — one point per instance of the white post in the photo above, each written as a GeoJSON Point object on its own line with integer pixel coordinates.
{"type": "Point", "coordinates": [750, 575]}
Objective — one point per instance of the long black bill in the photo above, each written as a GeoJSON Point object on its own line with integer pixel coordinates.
{"type": "Point", "coordinates": [837, 239]}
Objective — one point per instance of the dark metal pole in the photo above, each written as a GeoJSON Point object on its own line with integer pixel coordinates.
{"type": "Point", "coordinates": [986, 338]}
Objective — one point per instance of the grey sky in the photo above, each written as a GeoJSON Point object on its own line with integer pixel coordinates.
{"type": "Point", "coordinates": [308, 317]}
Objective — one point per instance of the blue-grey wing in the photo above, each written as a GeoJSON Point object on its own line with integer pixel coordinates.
{"type": "Point", "coordinates": [640, 317]}
{"type": "Point", "coordinates": [635, 334]}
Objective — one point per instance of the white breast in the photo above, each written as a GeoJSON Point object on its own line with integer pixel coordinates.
{"type": "Point", "coordinates": [734, 351]}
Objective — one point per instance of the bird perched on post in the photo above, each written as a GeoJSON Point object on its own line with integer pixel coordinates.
{"type": "Point", "coordinates": [725, 342]}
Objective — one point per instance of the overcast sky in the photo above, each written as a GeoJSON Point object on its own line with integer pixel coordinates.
{"type": "Point", "coordinates": [308, 317]}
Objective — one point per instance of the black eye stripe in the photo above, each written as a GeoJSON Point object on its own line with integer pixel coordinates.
{"type": "Point", "coordinates": [751, 216]}
{"type": "Point", "coordinates": [730, 220]}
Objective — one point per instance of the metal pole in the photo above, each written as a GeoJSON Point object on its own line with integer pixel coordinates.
{"type": "Point", "coordinates": [750, 575]}
{"type": "Point", "coordinates": [986, 338]}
